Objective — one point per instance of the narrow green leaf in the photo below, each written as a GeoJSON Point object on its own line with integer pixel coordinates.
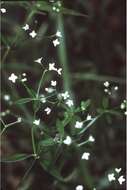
{"type": "Point", "coordinates": [105, 102]}
{"type": "Point", "coordinates": [16, 158]}
{"type": "Point", "coordinates": [24, 100]}
{"type": "Point", "coordinates": [51, 169]}
{"type": "Point", "coordinates": [47, 142]}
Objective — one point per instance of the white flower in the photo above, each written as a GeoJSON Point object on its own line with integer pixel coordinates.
{"type": "Point", "coordinates": [106, 84]}
{"type": "Point", "coordinates": [19, 119]}
{"type": "Point", "coordinates": [118, 170]}
{"type": "Point", "coordinates": [88, 117]}
{"type": "Point", "coordinates": [79, 187]}
{"type": "Point", "coordinates": [111, 177]}
{"type": "Point", "coordinates": [6, 97]}
{"type": "Point", "coordinates": [125, 112]}
{"type": "Point", "coordinates": [54, 8]}
{"type": "Point", "coordinates": [52, 67]}
{"type": "Point", "coordinates": [24, 74]}
{"type": "Point", "coordinates": [116, 88]}
{"type": "Point", "coordinates": [53, 83]}
{"type": "Point", "coordinates": [24, 79]}
{"type": "Point", "coordinates": [26, 27]}
{"type": "Point", "coordinates": [3, 10]}
{"type": "Point", "coordinates": [33, 34]}
{"type": "Point", "coordinates": [47, 110]}
{"type": "Point", "coordinates": [78, 124]}
{"type": "Point", "coordinates": [56, 42]}
{"type": "Point", "coordinates": [59, 71]}
{"type": "Point", "coordinates": [91, 138]}
{"type": "Point", "coordinates": [49, 90]}
{"type": "Point", "coordinates": [85, 156]}
{"type": "Point", "coordinates": [38, 60]}
{"type": "Point", "coordinates": [58, 34]}
{"type": "Point", "coordinates": [69, 103]}
{"type": "Point", "coordinates": [13, 78]}
{"type": "Point", "coordinates": [68, 140]}
{"type": "Point", "coordinates": [65, 95]}
{"type": "Point", "coordinates": [106, 90]}
{"type": "Point", "coordinates": [122, 106]}
{"type": "Point", "coordinates": [121, 179]}
{"type": "Point", "coordinates": [36, 122]}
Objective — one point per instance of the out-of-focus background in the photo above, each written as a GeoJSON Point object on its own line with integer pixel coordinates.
{"type": "Point", "coordinates": [92, 51]}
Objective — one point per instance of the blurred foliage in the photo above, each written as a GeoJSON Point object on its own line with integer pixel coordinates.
{"type": "Point", "coordinates": [91, 51]}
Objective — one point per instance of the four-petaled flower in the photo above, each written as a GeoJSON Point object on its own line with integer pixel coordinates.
{"type": "Point", "coordinates": [13, 78]}
{"type": "Point", "coordinates": [118, 170]}
{"type": "Point", "coordinates": [65, 95]}
{"type": "Point", "coordinates": [79, 187]}
{"type": "Point", "coordinates": [88, 117]}
{"type": "Point", "coordinates": [33, 34]}
{"type": "Point", "coordinates": [38, 60]}
{"type": "Point", "coordinates": [78, 124]}
{"type": "Point", "coordinates": [68, 140]}
{"type": "Point", "coordinates": [53, 83]}
{"type": "Point", "coordinates": [111, 177]}
{"type": "Point", "coordinates": [58, 34]}
{"type": "Point", "coordinates": [121, 179]}
{"type": "Point", "coordinates": [47, 110]}
{"type": "Point", "coordinates": [106, 84]}
{"type": "Point", "coordinates": [91, 138]}
{"type": "Point", "coordinates": [59, 71]}
{"type": "Point", "coordinates": [3, 10]}
{"type": "Point", "coordinates": [36, 122]}
{"type": "Point", "coordinates": [85, 156]}
{"type": "Point", "coordinates": [26, 27]}
{"type": "Point", "coordinates": [52, 67]}
{"type": "Point", "coordinates": [56, 42]}
{"type": "Point", "coordinates": [69, 103]}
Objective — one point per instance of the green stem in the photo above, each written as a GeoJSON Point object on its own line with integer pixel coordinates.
{"type": "Point", "coordinates": [40, 83]}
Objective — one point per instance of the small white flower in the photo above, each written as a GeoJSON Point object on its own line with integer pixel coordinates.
{"type": "Point", "coordinates": [88, 117]}
{"type": "Point", "coordinates": [125, 112]}
{"type": "Point", "coordinates": [111, 177]}
{"type": "Point", "coordinates": [68, 140]}
{"type": "Point", "coordinates": [36, 122]}
{"type": "Point", "coordinates": [26, 27]}
{"type": "Point", "coordinates": [105, 90]}
{"type": "Point", "coordinates": [47, 110]}
{"type": "Point", "coordinates": [58, 10]}
{"type": "Point", "coordinates": [33, 34]}
{"type": "Point", "coordinates": [49, 90]}
{"type": "Point", "coordinates": [6, 97]}
{"type": "Point", "coordinates": [78, 124]}
{"type": "Point", "coordinates": [69, 103]}
{"type": "Point", "coordinates": [13, 78]}
{"type": "Point", "coordinates": [116, 88]}
{"type": "Point", "coordinates": [38, 60]}
{"type": "Point", "coordinates": [58, 34]}
{"type": "Point", "coordinates": [3, 10]}
{"type": "Point", "coordinates": [122, 106]}
{"type": "Point", "coordinates": [106, 84]}
{"type": "Point", "coordinates": [56, 42]}
{"type": "Point", "coordinates": [52, 67]}
{"type": "Point", "coordinates": [53, 83]}
{"type": "Point", "coordinates": [85, 156]}
{"type": "Point", "coordinates": [24, 79]}
{"type": "Point", "coordinates": [54, 8]}
{"type": "Point", "coordinates": [24, 74]}
{"type": "Point", "coordinates": [91, 138]}
{"type": "Point", "coordinates": [59, 71]}
{"type": "Point", "coordinates": [118, 170]}
{"type": "Point", "coordinates": [121, 179]}
{"type": "Point", "coordinates": [79, 187]}
{"type": "Point", "coordinates": [19, 119]}
{"type": "Point", "coordinates": [65, 95]}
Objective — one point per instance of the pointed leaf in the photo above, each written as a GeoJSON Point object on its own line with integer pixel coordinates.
{"type": "Point", "coordinates": [16, 158]}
